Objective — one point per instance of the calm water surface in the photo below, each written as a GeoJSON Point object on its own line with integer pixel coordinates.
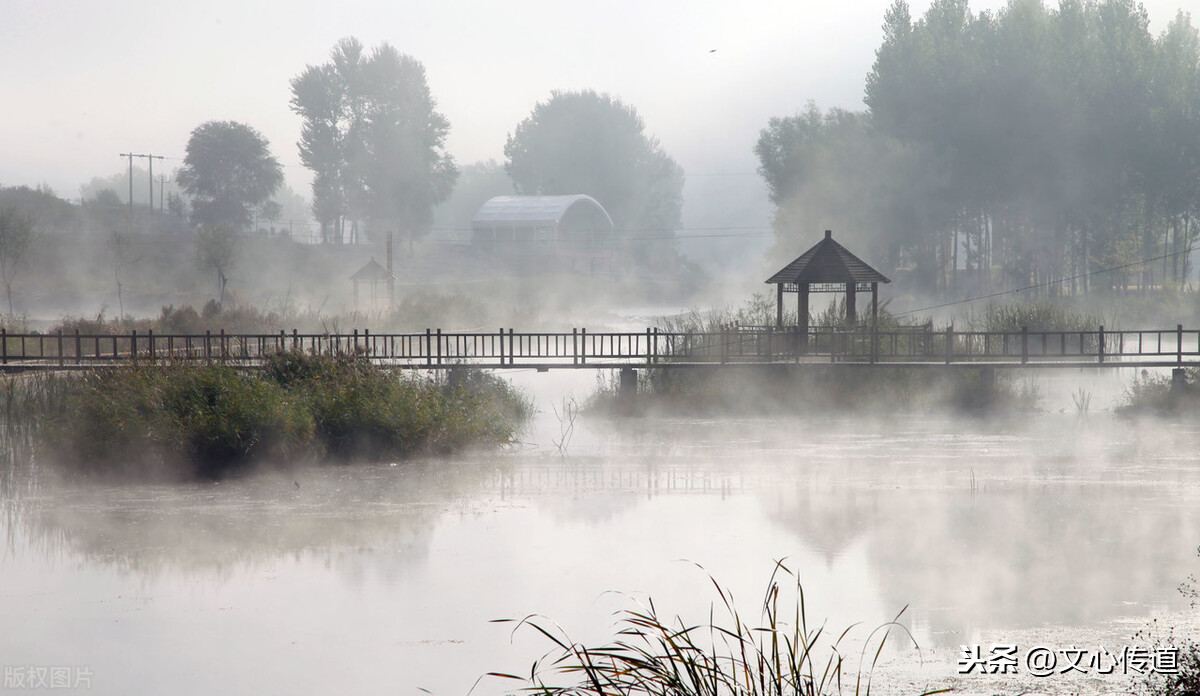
{"type": "Point", "coordinates": [384, 578]}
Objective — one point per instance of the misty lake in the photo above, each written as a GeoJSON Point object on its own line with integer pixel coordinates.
{"type": "Point", "coordinates": [1047, 529]}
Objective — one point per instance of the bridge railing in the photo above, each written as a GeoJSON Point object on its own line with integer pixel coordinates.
{"type": "Point", "coordinates": [580, 347]}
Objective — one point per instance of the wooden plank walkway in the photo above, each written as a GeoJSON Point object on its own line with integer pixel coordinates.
{"type": "Point", "coordinates": [579, 348]}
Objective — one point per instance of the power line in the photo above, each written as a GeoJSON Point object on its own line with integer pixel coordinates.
{"type": "Point", "coordinates": [1048, 283]}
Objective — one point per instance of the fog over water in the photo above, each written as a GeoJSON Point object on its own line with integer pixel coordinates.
{"type": "Point", "coordinates": [386, 577]}
{"type": "Point", "coordinates": [1007, 200]}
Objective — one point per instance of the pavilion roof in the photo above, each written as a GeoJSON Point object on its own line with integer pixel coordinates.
{"type": "Point", "coordinates": [371, 272]}
{"type": "Point", "coordinates": [828, 262]}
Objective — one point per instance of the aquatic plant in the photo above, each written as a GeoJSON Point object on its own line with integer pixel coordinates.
{"type": "Point", "coordinates": [1185, 681]}
{"type": "Point", "coordinates": [779, 654]}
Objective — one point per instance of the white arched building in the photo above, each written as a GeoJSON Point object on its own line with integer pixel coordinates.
{"type": "Point", "coordinates": [572, 228]}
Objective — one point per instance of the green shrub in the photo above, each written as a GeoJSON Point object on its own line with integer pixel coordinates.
{"type": "Point", "coordinates": [222, 419]}
{"type": "Point", "coordinates": [361, 411]}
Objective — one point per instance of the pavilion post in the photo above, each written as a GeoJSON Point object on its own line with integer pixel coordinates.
{"type": "Point", "coordinates": [874, 321]}
{"type": "Point", "coordinates": [779, 305]}
{"type": "Point", "coordinates": [851, 313]}
{"type": "Point", "coordinates": [875, 303]}
{"type": "Point", "coordinates": [802, 317]}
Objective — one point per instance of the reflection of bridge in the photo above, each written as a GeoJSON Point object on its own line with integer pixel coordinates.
{"type": "Point", "coordinates": [579, 348]}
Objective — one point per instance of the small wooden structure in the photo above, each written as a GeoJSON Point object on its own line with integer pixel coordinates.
{"type": "Point", "coordinates": [826, 267]}
{"type": "Point", "coordinates": [374, 274]}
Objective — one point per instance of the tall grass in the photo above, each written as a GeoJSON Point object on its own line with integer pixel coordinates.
{"type": "Point", "coordinates": [1039, 315]}
{"type": "Point", "coordinates": [413, 311]}
{"type": "Point", "coordinates": [779, 653]}
{"type": "Point", "coordinates": [760, 310]}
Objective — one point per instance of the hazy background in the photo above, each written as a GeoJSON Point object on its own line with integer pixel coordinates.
{"type": "Point", "coordinates": [84, 82]}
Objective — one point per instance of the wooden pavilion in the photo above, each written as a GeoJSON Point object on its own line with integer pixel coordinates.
{"type": "Point", "coordinates": [826, 267]}
{"type": "Point", "coordinates": [373, 274]}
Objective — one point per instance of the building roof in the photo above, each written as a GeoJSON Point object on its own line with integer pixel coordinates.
{"type": "Point", "coordinates": [532, 211]}
{"type": "Point", "coordinates": [371, 272]}
{"type": "Point", "coordinates": [828, 262]}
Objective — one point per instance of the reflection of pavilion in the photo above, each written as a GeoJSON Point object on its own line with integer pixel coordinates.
{"type": "Point", "coordinates": [827, 520]}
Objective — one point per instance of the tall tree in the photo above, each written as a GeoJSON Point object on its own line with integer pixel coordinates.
{"type": "Point", "coordinates": [228, 171]}
{"type": "Point", "coordinates": [586, 142]}
{"type": "Point", "coordinates": [374, 140]}
{"type": "Point", "coordinates": [16, 235]}
{"type": "Point", "coordinates": [216, 247]}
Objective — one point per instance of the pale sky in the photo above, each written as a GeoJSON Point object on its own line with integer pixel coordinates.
{"type": "Point", "coordinates": [83, 81]}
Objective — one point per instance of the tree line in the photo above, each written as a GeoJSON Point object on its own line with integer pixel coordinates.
{"type": "Point", "coordinates": [374, 140]}
{"type": "Point", "coordinates": [1057, 148]}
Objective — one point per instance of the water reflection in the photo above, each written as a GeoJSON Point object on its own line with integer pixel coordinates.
{"type": "Point", "coordinates": [974, 525]}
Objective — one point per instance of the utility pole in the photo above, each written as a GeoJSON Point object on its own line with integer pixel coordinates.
{"type": "Point", "coordinates": [130, 216]}
{"type": "Point", "coordinates": [151, 159]}
{"type": "Point", "coordinates": [161, 181]}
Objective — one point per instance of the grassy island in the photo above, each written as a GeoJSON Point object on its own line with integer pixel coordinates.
{"type": "Point", "coordinates": [209, 421]}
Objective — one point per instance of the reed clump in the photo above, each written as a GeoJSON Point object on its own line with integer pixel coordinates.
{"type": "Point", "coordinates": [815, 388]}
{"type": "Point", "coordinates": [209, 421]}
{"type": "Point", "coordinates": [1153, 393]}
{"type": "Point", "coordinates": [777, 653]}
{"type": "Point", "coordinates": [1037, 315]}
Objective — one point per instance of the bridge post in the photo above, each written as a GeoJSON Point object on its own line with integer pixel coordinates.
{"type": "Point", "coordinates": [656, 344]}
{"type": "Point", "coordinates": [439, 346]}
{"type": "Point", "coordinates": [1100, 344]}
{"type": "Point", "coordinates": [208, 346]}
{"type": "Point", "coordinates": [501, 344]}
{"type": "Point", "coordinates": [648, 356]}
{"type": "Point", "coordinates": [511, 351]}
{"type": "Point", "coordinates": [1179, 344]}
{"type": "Point", "coordinates": [1178, 385]}
{"type": "Point", "coordinates": [429, 347]}
{"type": "Point", "coordinates": [628, 389]}
{"type": "Point", "coordinates": [1024, 344]}
{"type": "Point", "coordinates": [583, 344]}
{"type": "Point", "coordinates": [224, 346]}
{"type": "Point", "coordinates": [60, 348]}
{"type": "Point", "coordinates": [574, 346]}
{"type": "Point", "coordinates": [151, 339]}
{"type": "Point", "coordinates": [133, 346]}
{"type": "Point", "coordinates": [4, 346]}
{"type": "Point", "coordinates": [987, 378]}
{"type": "Point", "coordinates": [295, 339]}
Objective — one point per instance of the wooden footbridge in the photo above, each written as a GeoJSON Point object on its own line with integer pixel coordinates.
{"type": "Point", "coordinates": [651, 348]}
